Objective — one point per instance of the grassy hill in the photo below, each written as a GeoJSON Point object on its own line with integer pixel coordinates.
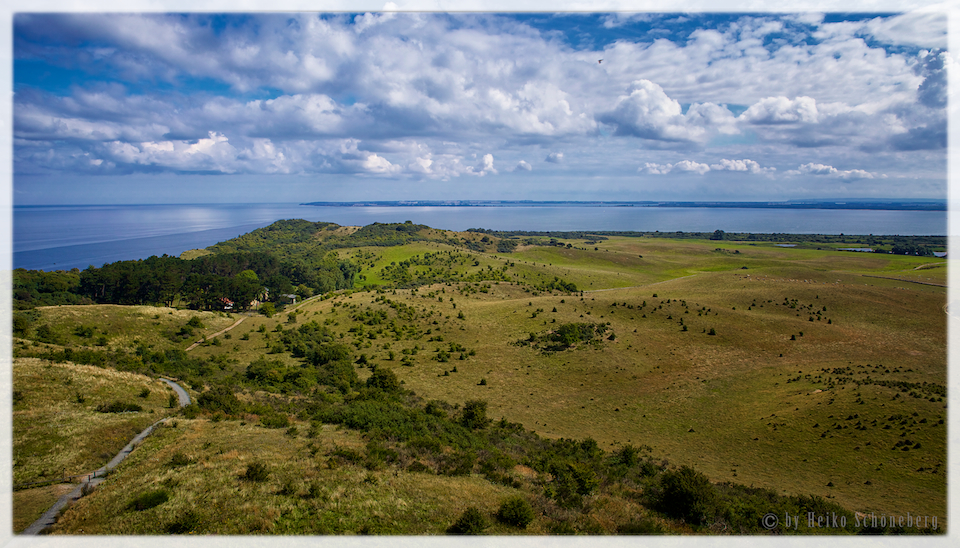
{"type": "Point", "coordinates": [815, 376]}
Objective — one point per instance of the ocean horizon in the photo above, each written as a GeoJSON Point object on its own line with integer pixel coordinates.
{"type": "Point", "coordinates": [63, 237]}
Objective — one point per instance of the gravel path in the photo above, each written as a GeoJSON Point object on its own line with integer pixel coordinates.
{"type": "Point", "coordinates": [94, 478]}
{"type": "Point", "coordinates": [181, 393]}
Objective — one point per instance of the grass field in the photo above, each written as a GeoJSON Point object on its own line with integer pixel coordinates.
{"type": "Point", "coordinates": [305, 490]}
{"type": "Point", "coordinates": [801, 370]}
{"type": "Point", "coordinates": [58, 432]}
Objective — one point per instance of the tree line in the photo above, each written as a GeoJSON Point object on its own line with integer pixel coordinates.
{"type": "Point", "coordinates": [202, 283]}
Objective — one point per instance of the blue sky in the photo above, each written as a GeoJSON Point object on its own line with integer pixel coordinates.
{"type": "Point", "coordinates": [291, 107]}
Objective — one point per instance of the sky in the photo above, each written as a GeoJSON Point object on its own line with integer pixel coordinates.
{"type": "Point", "coordinates": [297, 107]}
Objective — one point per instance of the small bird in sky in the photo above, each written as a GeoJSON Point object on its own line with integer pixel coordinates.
{"type": "Point", "coordinates": [600, 62]}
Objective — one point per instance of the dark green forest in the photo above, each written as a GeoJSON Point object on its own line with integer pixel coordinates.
{"type": "Point", "coordinates": [200, 284]}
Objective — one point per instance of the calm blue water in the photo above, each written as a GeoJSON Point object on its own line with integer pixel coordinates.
{"type": "Point", "coordinates": [65, 237]}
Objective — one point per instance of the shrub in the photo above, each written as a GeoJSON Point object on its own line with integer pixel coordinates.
{"type": "Point", "coordinates": [627, 455]}
{"type": "Point", "coordinates": [417, 466]}
{"type": "Point", "coordinates": [471, 522]}
{"type": "Point", "coordinates": [515, 511]}
{"type": "Point", "coordinates": [46, 334]}
{"type": "Point", "coordinates": [179, 459]}
{"type": "Point", "coordinates": [435, 408]}
{"type": "Point", "coordinates": [278, 420]}
{"type": "Point", "coordinates": [20, 325]}
{"type": "Point", "coordinates": [459, 463]}
{"type": "Point", "coordinates": [687, 494]}
{"type": "Point", "coordinates": [118, 407]}
{"type": "Point", "coordinates": [256, 471]}
{"type": "Point", "coordinates": [474, 415]}
{"type": "Point", "coordinates": [188, 522]}
{"type": "Point", "coordinates": [191, 411]}
{"type": "Point", "coordinates": [384, 379]}
{"type": "Point", "coordinates": [149, 500]}
{"type": "Point", "coordinates": [220, 398]}
{"type": "Point", "coordinates": [145, 393]}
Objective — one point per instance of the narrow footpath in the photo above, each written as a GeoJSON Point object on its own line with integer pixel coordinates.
{"type": "Point", "coordinates": [97, 476]}
{"type": "Point", "coordinates": [221, 332]}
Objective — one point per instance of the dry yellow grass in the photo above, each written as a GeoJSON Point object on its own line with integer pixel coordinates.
{"type": "Point", "coordinates": [54, 434]}
{"type": "Point", "coordinates": [348, 499]}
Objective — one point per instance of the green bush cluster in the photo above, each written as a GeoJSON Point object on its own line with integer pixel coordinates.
{"type": "Point", "coordinates": [515, 511]}
{"type": "Point", "coordinates": [118, 406]}
{"type": "Point", "coordinates": [256, 471]}
{"type": "Point", "coordinates": [471, 522]}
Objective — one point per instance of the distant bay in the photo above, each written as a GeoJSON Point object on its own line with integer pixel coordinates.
{"type": "Point", "coordinates": [65, 237]}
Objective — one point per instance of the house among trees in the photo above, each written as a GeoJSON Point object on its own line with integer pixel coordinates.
{"type": "Point", "coordinates": [292, 297]}
{"type": "Point", "coordinates": [227, 303]}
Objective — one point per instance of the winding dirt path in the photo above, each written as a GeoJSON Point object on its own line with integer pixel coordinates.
{"type": "Point", "coordinates": [94, 478]}
{"type": "Point", "coordinates": [238, 322]}
{"type": "Point", "coordinates": [221, 332]}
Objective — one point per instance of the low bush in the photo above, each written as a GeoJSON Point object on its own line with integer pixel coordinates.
{"type": "Point", "coordinates": [278, 420]}
{"type": "Point", "coordinates": [118, 407]}
{"type": "Point", "coordinates": [515, 511]}
{"type": "Point", "coordinates": [179, 459]}
{"type": "Point", "coordinates": [149, 500]}
{"type": "Point", "coordinates": [188, 522]}
{"type": "Point", "coordinates": [256, 471]}
{"type": "Point", "coordinates": [687, 494]}
{"type": "Point", "coordinates": [471, 522]}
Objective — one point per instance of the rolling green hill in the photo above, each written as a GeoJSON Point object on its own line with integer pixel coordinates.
{"type": "Point", "coordinates": [616, 384]}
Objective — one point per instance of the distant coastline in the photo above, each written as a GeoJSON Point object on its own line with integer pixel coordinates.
{"type": "Point", "coordinates": [890, 205]}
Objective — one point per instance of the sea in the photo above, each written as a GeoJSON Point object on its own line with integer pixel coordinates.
{"type": "Point", "coordinates": [65, 237]}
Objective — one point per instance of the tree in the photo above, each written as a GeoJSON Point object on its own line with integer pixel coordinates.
{"type": "Point", "coordinates": [718, 235]}
{"type": "Point", "coordinates": [474, 415]}
{"type": "Point", "coordinates": [384, 379]}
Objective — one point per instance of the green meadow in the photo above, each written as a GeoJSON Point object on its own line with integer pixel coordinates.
{"type": "Point", "coordinates": [780, 374]}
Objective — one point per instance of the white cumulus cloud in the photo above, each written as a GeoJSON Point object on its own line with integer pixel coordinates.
{"type": "Point", "coordinates": [484, 167]}
{"type": "Point", "coordinates": [691, 166]}
{"type": "Point", "coordinates": [781, 110]}
{"type": "Point", "coordinates": [823, 170]}
{"type": "Point", "coordinates": [745, 165]}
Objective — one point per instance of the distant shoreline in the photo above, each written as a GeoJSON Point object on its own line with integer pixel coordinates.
{"type": "Point", "coordinates": [891, 205]}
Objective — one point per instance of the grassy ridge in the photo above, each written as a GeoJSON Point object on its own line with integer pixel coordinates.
{"type": "Point", "coordinates": [58, 431]}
